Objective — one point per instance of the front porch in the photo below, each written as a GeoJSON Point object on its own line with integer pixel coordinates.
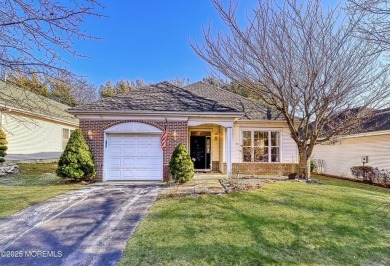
{"type": "Point", "coordinates": [215, 147]}
{"type": "Point", "coordinates": [210, 145]}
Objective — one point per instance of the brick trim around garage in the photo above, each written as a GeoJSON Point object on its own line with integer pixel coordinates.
{"type": "Point", "coordinates": [97, 143]}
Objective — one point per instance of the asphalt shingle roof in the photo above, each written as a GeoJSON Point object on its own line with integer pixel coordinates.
{"type": "Point", "coordinates": [14, 97]}
{"type": "Point", "coordinates": [166, 97]}
{"type": "Point", "coordinates": [379, 122]}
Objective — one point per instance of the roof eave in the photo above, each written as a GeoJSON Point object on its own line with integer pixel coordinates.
{"type": "Point", "coordinates": [39, 115]}
{"type": "Point", "coordinates": [151, 113]}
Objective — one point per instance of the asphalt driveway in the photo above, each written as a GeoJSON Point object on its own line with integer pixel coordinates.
{"type": "Point", "coordinates": [88, 226]}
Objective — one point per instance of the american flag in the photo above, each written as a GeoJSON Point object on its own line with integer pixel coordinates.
{"type": "Point", "coordinates": [164, 138]}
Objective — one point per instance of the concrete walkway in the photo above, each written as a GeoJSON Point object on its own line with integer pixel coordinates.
{"type": "Point", "coordinates": [88, 226]}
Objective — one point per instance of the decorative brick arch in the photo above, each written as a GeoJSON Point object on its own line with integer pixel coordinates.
{"type": "Point", "coordinates": [152, 123]}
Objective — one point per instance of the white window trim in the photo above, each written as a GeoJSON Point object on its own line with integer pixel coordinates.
{"type": "Point", "coordinates": [263, 130]}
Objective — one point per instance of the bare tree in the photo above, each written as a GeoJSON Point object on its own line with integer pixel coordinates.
{"type": "Point", "coordinates": [181, 82]}
{"type": "Point", "coordinates": [373, 20]}
{"type": "Point", "coordinates": [304, 62]}
{"type": "Point", "coordinates": [36, 35]}
{"type": "Point", "coordinates": [71, 91]}
{"type": "Point", "coordinates": [36, 38]}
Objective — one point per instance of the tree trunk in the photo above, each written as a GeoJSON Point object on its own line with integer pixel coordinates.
{"type": "Point", "coordinates": [303, 164]}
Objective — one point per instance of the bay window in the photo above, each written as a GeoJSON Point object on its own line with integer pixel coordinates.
{"type": "Point", "coordinates": [260, 146]}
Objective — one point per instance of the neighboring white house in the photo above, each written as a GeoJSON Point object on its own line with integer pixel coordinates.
{"type": "Point", "coordinates": [36, 127]}
{"type": "Point", "coordinates": [337, 159]}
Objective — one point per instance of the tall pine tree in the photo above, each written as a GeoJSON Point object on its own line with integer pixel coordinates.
{"type": "Point", "coordinates": [3, 145]}
{"type": "Point", "coordinates": [76, 162]}
{"type": "Point", "coordinates": [181, 165]}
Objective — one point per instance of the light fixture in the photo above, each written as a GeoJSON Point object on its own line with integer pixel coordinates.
{"type": "Point", "coordinates": [174, 135]}
{"type": "Point", "coordinates": [216, 136]}
{"type": "Point", "coordinates": [90, 134]}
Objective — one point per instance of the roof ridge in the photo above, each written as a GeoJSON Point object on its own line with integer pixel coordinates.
{"type": "Point", "coordinates": [235, 94]}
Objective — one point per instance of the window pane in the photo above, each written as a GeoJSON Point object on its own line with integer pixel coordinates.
{"type": "Point", "coordinates": [259, 138]}
{"type": "Point", "coordinates": [275, 139]}
{"type": "Point", "coordinates": [247, 154]}
{"type": "Point", "coordinates": [246, 138]}
{"type": "Point", "coordinates": [261, 154]}
{"type": "Point", "coordinates": [65, 137]}
{"type": "Point", "coordinates": [275, 154]}
{"type": "Point", "coordinates": [65, 133]}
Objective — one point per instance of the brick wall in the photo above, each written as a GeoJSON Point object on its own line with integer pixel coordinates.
{"type": "Point", "coordinates": [264, 168]}
{"type": "Point", "coordinates": [215, 166]}
{"type": "Point", "coordinates": [97, 143]}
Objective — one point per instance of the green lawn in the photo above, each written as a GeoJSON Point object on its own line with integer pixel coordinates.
{"type": "Point", "coordinates": [35, 183]}
{"type": "Point", "coordinates": [333, 223]}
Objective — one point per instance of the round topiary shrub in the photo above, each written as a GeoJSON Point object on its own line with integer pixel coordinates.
{"type": "Point", "coordinates": [3, 146]}
{"type": "Point", "coordinates": [181, 166]}
{"type": "Point", "coordinates": [76, 162]}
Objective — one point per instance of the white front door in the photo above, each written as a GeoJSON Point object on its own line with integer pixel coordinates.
{"type": "Point", "coordinates": [133, 157]}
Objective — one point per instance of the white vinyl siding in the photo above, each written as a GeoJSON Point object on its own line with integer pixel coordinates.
{"type": "Point", "coordinates": [66, 132]}
{"type": "Point", "coordinates": [30, 135]}
{"type": "Point", "coordinates": [340, 157]}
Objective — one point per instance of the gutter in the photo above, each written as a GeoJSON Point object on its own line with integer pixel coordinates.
{"type": "Point", "coordinates": [11, 110]}
{"type": "Point", "coordinates": [153, 113]}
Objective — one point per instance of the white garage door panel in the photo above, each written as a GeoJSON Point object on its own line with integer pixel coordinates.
{"type": "Point", "coordinates": [133, 157]}
{"type": "Point", "coordinates": [129, 150]}
{"type": "Point", "coordinates": [114, 161]}
{"type": "Point", "coordinates": [114, 174]}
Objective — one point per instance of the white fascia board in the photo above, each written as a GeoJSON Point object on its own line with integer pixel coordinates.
{"type": "Point", "coordinates": [221, 121]}
{"type": "Point", "coordinates": [276, 123]}
{"type": "Point", "coordinates": [162, 113]}
{"type": "Point", "coordinates": [16, 111]}
{"type": "Point", "coordinates": [367, 134]}
{"type": "Point", "coordinates": [132, 117]}
{"type": "Point", "coordinates": [176, 116]}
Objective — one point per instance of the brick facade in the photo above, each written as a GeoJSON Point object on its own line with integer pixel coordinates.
{"type": "Point", "coordinates": [97, 143]}
{"type": "Point", "coordinates": [263, 168]}
{"type": "Point", "coordinates": [97, 147]}
{"type": "Point", "coordinates": [215, 166]}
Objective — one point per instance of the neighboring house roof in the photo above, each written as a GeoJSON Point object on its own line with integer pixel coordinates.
{"type": "Point", "coordinates": [165, 97]}
{"type": "Point", "coordinates": [15, 99]}
{"type": "Point", "coordinates": [380, 121]}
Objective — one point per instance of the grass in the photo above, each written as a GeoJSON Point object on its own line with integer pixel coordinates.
{"type": "Point", "coordinates": [34, 183]}
{"type": "Point", "coordinates": [333, 223]}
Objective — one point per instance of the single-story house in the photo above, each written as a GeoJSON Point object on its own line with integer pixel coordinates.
{"type": "Point", "coordinates": [222, 131]}
{"type": "Point", "coordinates": [36, 127]}
{"type": "Point", "coordinates": [372, 143]}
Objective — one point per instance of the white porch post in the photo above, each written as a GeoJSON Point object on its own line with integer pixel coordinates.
{"type": "Point", "coordinates": [229, 151]}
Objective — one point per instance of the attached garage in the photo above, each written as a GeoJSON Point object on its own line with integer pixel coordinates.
{"type": "Point", "coordinates": [133, 153]}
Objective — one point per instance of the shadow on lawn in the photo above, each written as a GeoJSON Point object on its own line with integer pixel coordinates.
{"type": "Point", "coordinates": [260, 227]}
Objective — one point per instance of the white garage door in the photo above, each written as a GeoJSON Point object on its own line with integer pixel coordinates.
{"type": "Point", "coordinates": [133, 157]}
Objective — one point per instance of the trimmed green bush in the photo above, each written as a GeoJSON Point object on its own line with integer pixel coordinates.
{"type": "Point", "coordinates": [3, 146]}
{"type": "Point", "coordinates": [181, 165]}
{"type": "Point", "coordinates": [76, 162]}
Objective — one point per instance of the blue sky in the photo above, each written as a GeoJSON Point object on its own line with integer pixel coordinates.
{"type": "Point", "coordinates": [147, 39]}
